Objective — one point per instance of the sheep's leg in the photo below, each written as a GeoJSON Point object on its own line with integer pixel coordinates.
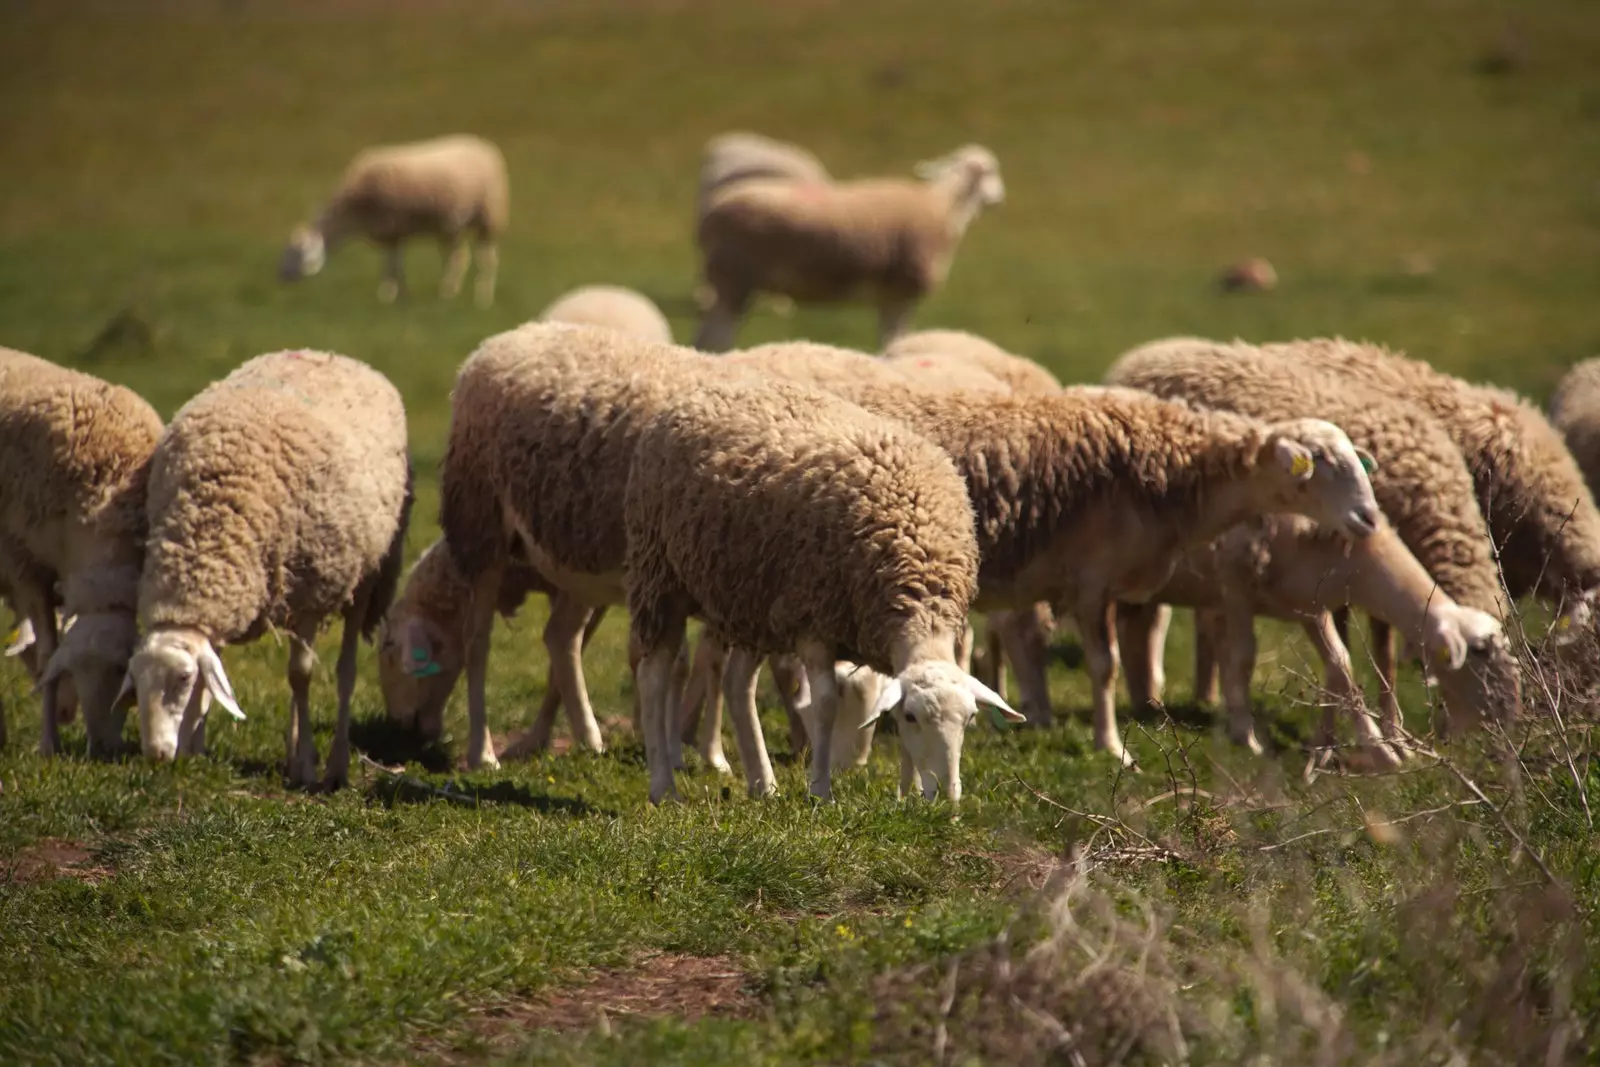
{"type": "Point", "coordinates": [563, 639]}
{"type": "Point", "coordinates": [711, 671]}
{"type": "Point", "coordinates": [480, 626]}
{"type": "Point", "coordinates": [1097, 626]}
{"type": "Point", "coordinates": [302, 745]}
{"type": "Point", "coordinates": [1238, 663]}
{"type": "Point", "coordinates": [719, 326]}
{"type": "Point", "coordinates": [394, 283]}
{"type": "Point", "coordinates": [1021, 635]}
{"type": "Point", "coordinates": [739, 688]}
{"type": "Point", "coordinates": [336, 775]}
{"type": "Point", "coordinates": [488, 271]}
{"type": "Point", "coordinates": [892, 317]}
{"type": "Point", "coordinates": [1208, 623]}
{"type": "Point", "coordinates": [822, 712]}
{"type": "Point", "coordinates": [1342, 690]}
{"type": "Point", "coordinates": [795, 692]}
{"type": "Point", "coordinates": [654, 682]}
{"type": "Point", "coordinates": [35, 604]}
{"type": "Point", "coordinates": [1137, 625]}
{"type": "Point", "coordinates": [1384, 664]}
{"type": "Point", "coordinates": [457, 255]}
{"type": "Point", "coordinates": [680, 683]}
{"type": "Point", "coordinates": [964, 648]}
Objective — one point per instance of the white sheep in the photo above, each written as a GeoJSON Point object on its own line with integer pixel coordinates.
{"type": "Point", "coordinates": [446, 188]}
{"type": "Point", "coordinates": [612, 307]}
{"type": "Point", "coordinates": [738, 485]}
{"type": "Point", "coordinates": [740, 156]}
{"type": "Point", "coordinates": [278, 497]}
{"type": "Point", "coordinates": [889, 240]}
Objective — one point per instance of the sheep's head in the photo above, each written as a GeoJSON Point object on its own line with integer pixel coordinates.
{"type": "Point", "coordinates": [933, 702]}
{"type": "Point", "coordinates": [303, 256]}
{"type": "Point", "coordinates": [176, 674]}
{"type": "Point", "coordinates": [1488, 683]}
{"type": "Point", "coordinates": [93, 656]}
{"type": "Point", "coordinates": [417, 668]}
{"type": "Point", "coordinates": [1310, 468]}
{"type": "Point", "coordinates": [1577, 615]}
{"type": "Point", "coordinates": [976, 164]}
{"type": "Point", "coordinates": [859, 688]}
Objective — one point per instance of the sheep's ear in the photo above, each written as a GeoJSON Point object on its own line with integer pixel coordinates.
{"type": "Point", "coordinates": [54, 669]}
{"type": "Point", "coordinates": [1296, 459]}
{"type": "Point", "coordinates": [126, 691]}
{"type": "Point", "coordinates": [984, 695]}
{"type": "Point", "coordinates": [21, 639]}
{"type": "Point", "coordinates": [1369, 462]}
{"type": "Point", "coordinates": [216, 680]}
{"type": "Point", "coordinates": [888, 696]}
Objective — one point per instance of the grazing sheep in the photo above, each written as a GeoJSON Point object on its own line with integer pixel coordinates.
{"type": "Point", "coordinates": [1575, 410]}
{"type": "Point", "coordinates": [612, 307]}
{"type": "Point", "coordinates": [1086, 496]}
{"type": "Point", "coordinates": [278, 497]}
{"type": "Point", "coordinates": [75, 456]}
{"type": "Point", "coordinates": [891, 241]}
{"type": "Point", "coordinates": [735, 487]}
{"type": "Point", "coordinates": [1288, 568]}
{"type": "Point", "coordinates": [446, 188]}
{"type": "Point", "coordinates": [1530, 489]}
{"type": "Point", "coordinates": [1423, 485]}
{"type": "Point", "coordinates": [1022, 375]}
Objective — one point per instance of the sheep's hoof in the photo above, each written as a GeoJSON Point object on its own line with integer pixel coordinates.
{"type": "Point", "coordinates": [1246, 738]}
{"type": "Point", "coordinates": [664, 795]}
{"type": "Point", "coordinates": [719, 763]}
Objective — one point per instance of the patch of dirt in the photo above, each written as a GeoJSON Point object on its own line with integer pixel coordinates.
{"type": "Point", "coordinates": [685, 987]}
{"type": "Point", "coordinates": [52, 858]}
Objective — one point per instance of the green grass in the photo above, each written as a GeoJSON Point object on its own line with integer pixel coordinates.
{"type": "Point", "coordinates": [155, 157]}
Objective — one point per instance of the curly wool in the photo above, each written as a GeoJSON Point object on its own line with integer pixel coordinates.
{"type": "Point", "coordinates": [612, 307]}
{"type": "Point", "coordinates": [74, 461]}
{"type": "Point", "coordinates": [741, 485]}
{"type": "Point", "coordinates": [1529, 487]}
{"type": "Point", "coordinates": [1022, 375]}
{"type": "Point", "coordinates": [445, 185]}
{"type": "Point", "coordinates": [1575, 411]}
{"type": "Point", "coordinates": [275, 494]}
{"type": "Point", "coordinates": [1422, 482]}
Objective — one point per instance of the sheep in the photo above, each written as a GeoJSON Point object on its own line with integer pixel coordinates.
{"type": "Point", "coordinates": [1423, 485]}
{"type": "Point", "coordinates": [543, 421]}
{"type": "Point", "coordinates": [612, 307]}
{"type": "Point", "coordinates": [75, 452]}
{"type": "Point", "coordinates": [738, 156]}
{"type": "Point", "coordinates": [1085, 496]}
{"type": "Point", "coordinates": [446, 188]}
{"type": "Point", "coordinates": [1022, 375]}
{"type": "Point", "coordinates": [736, 486]}
{"type": "Point", "coordinates": [278, 497]}
{"type": "Point", "coordinates": [1575, 411]}
{"type": "Point", "coordinates": [1288, 568]}
{"type": "Point", "coordinates": [1539, 509]}
{"type": "Point", "coordinates": [21, 644]}
{"type": "Point", "coordinates": [890, 240]}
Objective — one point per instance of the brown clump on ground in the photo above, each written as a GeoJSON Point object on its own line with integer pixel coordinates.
{"type": "Point", "coordinates": [52, 858]}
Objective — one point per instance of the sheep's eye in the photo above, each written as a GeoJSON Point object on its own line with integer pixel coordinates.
{"type": "Point", "coordinates": [910, 717]}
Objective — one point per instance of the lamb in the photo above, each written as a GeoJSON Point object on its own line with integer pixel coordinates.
{"type": "Point", "coordinates": [890, 240]}
{"type": "Point", "coordinates": [612, 307]}
{"type": "Point", "coordinates": [1423, 485]}
{"type": "Point", "coordinates": [1539, 509]}
{"type": "Point", "coordinates": [446, 188]}
{"type": "Point", "coordinates": [1575, 411]}
{"type": "Point", "coordinates": [725, 503]}
{"type": "Point", "coordinates": [75, 452]}
{"type": "Point", "coordinates": [279, 496]}
{"type": "Point", "coordinates": [1086, 496]}
{"type": "Point", "coordinates": [1288, 568]}
{"type": "Point", "coordinates": [1022, 375]}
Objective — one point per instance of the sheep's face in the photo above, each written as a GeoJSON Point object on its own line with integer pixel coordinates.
{"type": "Point", "coordinates": [933, 703]}
{"type": "Point", "coordinates": [1312, 469]}
{"type": "Point", "coordinates": [175, 674]}
{"type": "Point", "coordinates": [978, 163]}
{"type": "Point", "coordinates": [417, 670]}
{"type": "Point", "coordinates": [1488, 685]}
{"type": "Point", "coordinates": [304, 255]}
{"type": "Point", "coordinates": [93, 657]}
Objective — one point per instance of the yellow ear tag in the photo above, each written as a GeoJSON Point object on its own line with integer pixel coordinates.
{"type": "Point", "coordinates": [1442, 655]}
{"type": "Point", "coordinates": [16, 632]}
{"type": "Point", "coordinates": [1563, 623]}
{"type": "Point", "coordinates": [1301, 466]}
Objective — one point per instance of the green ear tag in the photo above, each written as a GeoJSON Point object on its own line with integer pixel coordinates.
{"type": "Point", "coordinates": [427, 670]}
{"type": "Point", "coordinates": [1368, 464]}
{"type": "Point", "coordinates": [998, 718]}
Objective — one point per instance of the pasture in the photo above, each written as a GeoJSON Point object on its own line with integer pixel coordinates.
{"type": "Point", "coordinates": [1426, 175]}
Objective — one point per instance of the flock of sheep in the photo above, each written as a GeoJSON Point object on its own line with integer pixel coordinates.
{"type": "Point", "coordinates": [835, 514]}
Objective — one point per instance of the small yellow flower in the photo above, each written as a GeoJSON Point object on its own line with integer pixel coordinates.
{"type": "Point", "coordinates": [908, 922]}
{"type": "Point", "coordinates": [844, 932]}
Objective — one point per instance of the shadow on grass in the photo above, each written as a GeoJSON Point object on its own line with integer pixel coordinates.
{"type": "Point", "coordinates": [388, 742]}
{"type": "Point", "coordinates": [404, 789]}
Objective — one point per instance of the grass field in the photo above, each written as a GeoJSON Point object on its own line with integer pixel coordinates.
{"type": "Point", "coordinates": [1425, 174]}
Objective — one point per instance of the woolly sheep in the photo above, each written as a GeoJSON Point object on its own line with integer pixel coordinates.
{"type": "Point", "coordinates": [21, 645]}
{"type": "Point", "coordinates": [74, 459]}
{"type": "Point", "coordinates": [890, 240]}
{"type": "Point", "coordinates": [446, 188]}
{"type": "Point", "coordinates": [1575, 411]}
{"type": "Point", "coordinates": [278, 497]}
{"type": "Point", "coordinates": [1022, 375]}
{"type": "Point", "coordinates": [1288, 568]}
{"type": "Point", "coordinates": [612, 307]}
{"type": "Point", "coordinates": [739, 156]}
{"type": "Point", "coordinates": [725, 503]}
{"type": "Point", "coordinates": [1423, 484]}
{"type": "Point", "coordinates": [1539, 509]}
{"type": "Point", "coordinates": [1086, 496]}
